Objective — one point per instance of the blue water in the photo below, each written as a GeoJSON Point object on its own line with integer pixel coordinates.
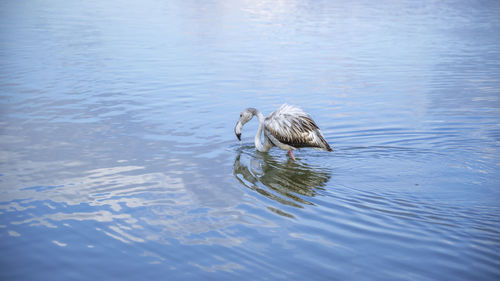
{"type": "Point", "coordinates": [119, 160]}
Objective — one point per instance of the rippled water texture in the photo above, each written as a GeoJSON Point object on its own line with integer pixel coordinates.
{"type": "Point", "coordinates": [119, 160]}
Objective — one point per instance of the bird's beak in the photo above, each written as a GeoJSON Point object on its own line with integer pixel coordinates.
{"type": "Point", "coordinates": [237, 130]}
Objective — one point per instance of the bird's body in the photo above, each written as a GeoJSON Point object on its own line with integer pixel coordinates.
{"type": "Point", "coordinates": [288, 128]}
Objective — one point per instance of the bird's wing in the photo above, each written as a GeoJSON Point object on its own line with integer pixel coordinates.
{"type": "Point", "coordinates": [292, 126]}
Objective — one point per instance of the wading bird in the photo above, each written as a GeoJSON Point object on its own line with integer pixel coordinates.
{"type": "Point", "coordinates": [288, 128]}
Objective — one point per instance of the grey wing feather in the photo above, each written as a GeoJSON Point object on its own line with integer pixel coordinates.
{"type": "Point", "coordinates": [292, 126]}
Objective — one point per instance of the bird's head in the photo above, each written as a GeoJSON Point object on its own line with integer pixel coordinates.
{"type": "Point", "coordinates": [245, 116]}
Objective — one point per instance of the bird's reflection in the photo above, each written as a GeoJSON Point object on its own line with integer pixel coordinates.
{"type": "Point", "coordinates": [289, 182]}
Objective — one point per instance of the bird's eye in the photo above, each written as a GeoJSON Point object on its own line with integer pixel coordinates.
{"type": "Point", "coordinates": [241, 114]}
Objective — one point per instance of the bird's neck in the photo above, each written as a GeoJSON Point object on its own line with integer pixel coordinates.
{"type": "Point", "coordinates": [258, 143]}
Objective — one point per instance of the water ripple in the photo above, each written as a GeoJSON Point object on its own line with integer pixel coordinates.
{"type": "Point", "coordinates": [118, 158]}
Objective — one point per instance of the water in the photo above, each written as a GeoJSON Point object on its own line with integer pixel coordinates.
{"type": "Point", "coordinates": [119, 161]}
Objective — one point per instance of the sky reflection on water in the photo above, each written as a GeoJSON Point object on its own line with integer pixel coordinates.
{"type": "Point", "coordinates": [118, 159]}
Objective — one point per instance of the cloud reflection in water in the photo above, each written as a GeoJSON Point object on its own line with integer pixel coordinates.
{"type": "Point", "coordinates": [127, 203]}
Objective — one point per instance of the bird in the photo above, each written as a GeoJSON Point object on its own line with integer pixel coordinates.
{"type": "Point", "coordinates": [289, 128]}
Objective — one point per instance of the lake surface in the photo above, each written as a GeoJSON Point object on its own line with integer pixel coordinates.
{"type": "Point", "coordinates": [119, 160]}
